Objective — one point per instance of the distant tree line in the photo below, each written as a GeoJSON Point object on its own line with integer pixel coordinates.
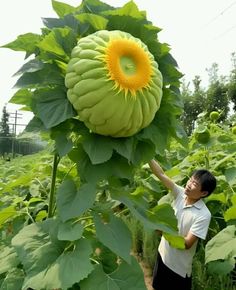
{"type": "Point", "coordinates": [220, 96]}
{"type": "Point", "coordinates": [11, 145]}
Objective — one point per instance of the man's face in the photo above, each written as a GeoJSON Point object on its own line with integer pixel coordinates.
{"type": "Point", "coordinates": [193, 189]}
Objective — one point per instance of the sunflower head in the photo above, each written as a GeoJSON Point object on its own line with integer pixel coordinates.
{"type": "Point", "coordinates": [128, 64]}
{"type": "Point", "coordinates": [114, 83]}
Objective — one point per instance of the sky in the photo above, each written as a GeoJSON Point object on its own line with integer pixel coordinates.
{"type": "Point", "coordinates": [199, 33]}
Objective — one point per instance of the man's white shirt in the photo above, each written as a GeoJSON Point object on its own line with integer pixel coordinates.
{"type": "Point", "coordinates": [194, 218]}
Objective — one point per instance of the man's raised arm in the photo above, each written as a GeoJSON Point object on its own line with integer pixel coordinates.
{"type": "Point", "coordinates": [158, 171]}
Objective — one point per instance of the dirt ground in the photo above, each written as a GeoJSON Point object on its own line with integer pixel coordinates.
{"type": "Point", "coordinates": [147, 275]}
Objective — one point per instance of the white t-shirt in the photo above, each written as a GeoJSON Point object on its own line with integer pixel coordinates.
{"type": "Point", "coordinates": [194, 218]}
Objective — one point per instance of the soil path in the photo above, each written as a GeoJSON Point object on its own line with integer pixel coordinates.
{"type": "Point", "coordinates": [147, 275]}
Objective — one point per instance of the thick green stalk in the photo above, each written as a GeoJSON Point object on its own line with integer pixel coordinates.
{"type": "Point", "coordinates": [56, 161]}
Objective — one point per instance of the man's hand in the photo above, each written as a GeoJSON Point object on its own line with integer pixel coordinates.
{"type": "Point", "coordinates": [189, 240]}
{"type": "Point", "coordinates": [159, 232]}
{"type": "Point", "coordinates": [158, 171]}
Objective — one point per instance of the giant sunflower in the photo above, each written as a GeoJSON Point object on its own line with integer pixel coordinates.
{"type": "Point", "coordinates": [113, 83]}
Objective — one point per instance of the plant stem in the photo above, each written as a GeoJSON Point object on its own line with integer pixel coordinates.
{"type": "Point", "coordinates": [56, 161]}
{"type": "Point", "coordinates": [207, 161]}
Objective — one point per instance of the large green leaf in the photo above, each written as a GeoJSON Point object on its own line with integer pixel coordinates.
{"type": "Point", "coordinates": [96, 21]}
{"type": "Point", "coordinates": [126, 277]}
{"type": "Point", "coordinates": [230, 175]}
{"type": "Point", "coordinates": [93, 6]}
{"type": "Point", "coordinates": [62, 8]}
{"type": "Point", "coordinates": [222, 247]}
{"type": "Point", "coordinates": [22, 97]}
{"type": "Point", "coordinates": [129, 9]}
{"type": "Point", "coordinates": [8, 258]}
{"type": "Point", "coordinates": [157, 135]}
{"type": "Point", "coordinates": [31, 66]}
{"type": "Point", "coordinates": [67, 21]}
{"type": "Point", "coordinates": [63, 144]}
{"type": "Point", "coordinates": [70, 231]}
{"type": "Point", "coordinates": [49, 75]}
{"type": "Point", "coordinates": [69, 268]}
{"type": "Point", "coordinates": [72, 202]}
{"type": "Point", "coordinates": [61, 135]}
{"type": "Point", "coordinates": [142, 214]}
{"type": "Point", "coordinates": [99, 280]}
{"type": "Point", "coordinates": [25, 42]}
{"type": "Point", "coordinates": [230, 213]}
{"type": "Point", "coordinates": [52, 106]}
{"type": "Point", "coordinates": [35, 125]}
{"type": "Point", "coordinates": [99, 148]}
{"type": "Point", "coordinates": [143, 152]}
{"type": "Point", "coordinates": [170, 73]}
{"type": "Point", "coordinates": [13, 280]}
{"type": "Point", "coordinates": [7, 213]}
{"type": "Point", "coordinates": [125, 147]}
{"type": "Point", "coordinates": [59, 41]}
{"type": "Point", "coordinates": [116, 166]}
{"type": "Point", "coordinates": [164, 213]}
{"type": "Point", "coordinates": [106, 257]}
{"type": "Point", "coordinates": [48, 265]}
{"type": "Point", "coordinates": [221, 267]}
{"type": "Point", "coordinates": [175, 241]}
{"type": "Point", "coordinates": [129, 276]}
{"type": "Point", "coordinates": [34, 245]}
{"type": "Point", "coordinates": [115, 235]}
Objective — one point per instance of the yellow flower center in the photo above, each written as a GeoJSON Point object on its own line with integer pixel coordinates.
{"type": "Point", "coordinates": [128, 64]}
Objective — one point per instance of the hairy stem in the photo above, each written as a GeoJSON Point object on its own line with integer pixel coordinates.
{"type": "Point", "coordinates": [56, 161]}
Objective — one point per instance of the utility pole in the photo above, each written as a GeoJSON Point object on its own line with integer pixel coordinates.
{"type": "Point", "coordinates": [15, 116]}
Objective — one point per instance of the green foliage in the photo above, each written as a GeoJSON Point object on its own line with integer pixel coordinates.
{"type": "Point", "coordinates": [217, 99]}
{"type": "Point", "coordinates": [53, 261]}
{"type": "Point", "coordinates": [61, 216]}
{"type": "Point", "coordinates": [5, 130]}
{"type": "Point", "coordinates": [221, 251]}
{"type": "Point", "coordinates": [214, 116]}
{"type": "Point", "coordinates": [52, 50]}
{"type": "Point", "coordinates": [202, 134]}
{"type": "Point", "coordinates": [232, 82]}
{"type": "Point", "coordinates": [5, 141]}
{"type": "Point", "coordinates": [234, 129]}
{"type": "Point", "coordinates": [192, 104]}
{"type": "Point", "coordinates": [151, 240]}
{"type": "Point", "coordinates": [218, 96]}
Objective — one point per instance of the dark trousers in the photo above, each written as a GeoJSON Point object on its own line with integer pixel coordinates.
{"type": "Point", "coordinates": [164, 278]}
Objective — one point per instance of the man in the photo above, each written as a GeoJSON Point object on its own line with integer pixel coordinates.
{"type": "Point", "coordinates": [174, 266]}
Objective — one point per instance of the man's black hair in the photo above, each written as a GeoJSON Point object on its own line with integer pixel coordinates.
{"type": "Point", "coordinates": [207, 180]}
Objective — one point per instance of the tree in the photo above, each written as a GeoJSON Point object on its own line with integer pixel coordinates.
{"type": "Point", "coordinates": [232, 82]}
{"type": "Point", "coordinates": [217, 97]}
{"type": "Point", "coordinates": [5, 140]}
{"type": "Point", "coordinates": [193, 104]}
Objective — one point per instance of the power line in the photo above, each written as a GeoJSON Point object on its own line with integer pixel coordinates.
{"type": "Point", "coordinates": [225, 32]}
{"type": "Point", "coordinates": [220, 14]}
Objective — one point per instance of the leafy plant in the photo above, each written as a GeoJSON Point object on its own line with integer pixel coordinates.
{"type": "Point", "coordinates": [67, 248]}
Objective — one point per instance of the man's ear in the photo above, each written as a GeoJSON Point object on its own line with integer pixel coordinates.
{"type": "Point", "coordinates": [204, 193]}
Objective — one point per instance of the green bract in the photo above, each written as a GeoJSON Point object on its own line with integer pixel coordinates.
{"type": "Point", "coordinates": [113, 83]}
{"type": "Point", "coordinates": [202, 135]}
{"type": "Point", "coordinates": [234, 130]}
{"type": "Point", "coordinates": [214, 115]}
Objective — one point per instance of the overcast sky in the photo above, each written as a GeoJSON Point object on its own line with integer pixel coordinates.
{"type": "Point", "coordinates": [199, 33]}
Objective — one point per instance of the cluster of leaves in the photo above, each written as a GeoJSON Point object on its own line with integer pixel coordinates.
{"type": "Point", "coordinates": [35, 248]}
{"type": "Point", "coordinates": [83, 242]}
{"type": "Point", "coordinates": [5, 142]}
{"type": "Point", "coordinates": [218, 155]}
{"type": "Point", "coordinates": [219, 95]}
{"type": "Point", "coordinates": [42, 89]}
